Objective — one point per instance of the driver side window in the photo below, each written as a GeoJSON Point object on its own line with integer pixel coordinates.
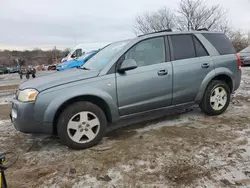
{"type": "Point", "coordinates": [148, 52]}
{"type": "Point", "coordinates": [77, 53]}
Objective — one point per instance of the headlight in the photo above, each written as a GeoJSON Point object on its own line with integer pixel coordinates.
{"type": "Point", "coordinates": [27, 95]}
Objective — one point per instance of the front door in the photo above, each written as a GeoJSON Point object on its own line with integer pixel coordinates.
{"type": "Point", "coordinates": [149, 86]}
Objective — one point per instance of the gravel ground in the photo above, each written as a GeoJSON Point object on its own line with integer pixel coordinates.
{"type": "Point", "coordinates": [13, 79]}
{"type": "Point", "coordinates": [185, 149]}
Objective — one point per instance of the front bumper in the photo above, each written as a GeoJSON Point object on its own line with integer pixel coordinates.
{"type": "Point", "coordinates": [22, 116]}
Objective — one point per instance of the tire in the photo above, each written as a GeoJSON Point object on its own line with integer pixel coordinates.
{"type": "Point", "coordinates": [21, 76]}
{"type": "Point", "coordinates": [27, 76]}
{"type": "Point", "coordinates": [213, 102]}
{"type": "Point", "coordinates": [74, 132]}
{"type": "Point", "coordinates": [33, 75]}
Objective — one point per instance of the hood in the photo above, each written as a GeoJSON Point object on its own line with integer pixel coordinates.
{"type": "Point", "coordinates": [58, 78]}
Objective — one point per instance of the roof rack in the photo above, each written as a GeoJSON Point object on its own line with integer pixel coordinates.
{"type": "Point", "coordinates": [202, 29]}
{"type": "Point", "coordinates": [165, 30]}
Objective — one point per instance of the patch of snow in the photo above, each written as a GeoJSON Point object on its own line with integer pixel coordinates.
{"type": "Point", "coordinates": [5, 122]}
{"type": "Point", "coordinates": [126, 168]}
{"type": "Point", "coordinates": [5, 100]}
{"type": "Point", "coordinates": [88, 182]}
{"type": "Point", "coordinates": [162, 124]}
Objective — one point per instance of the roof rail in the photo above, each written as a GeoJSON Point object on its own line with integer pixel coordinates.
{"type": "Point", "coordinates": [202, 29]}
{"type": "Point", "coordinates": [165, 30]}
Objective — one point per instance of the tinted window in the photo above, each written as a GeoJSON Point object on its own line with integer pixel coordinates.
{"type": "Point", "coordinates": [148, 52]}
{"type": "Point", "coordinates": [200, 50]}
{"type": "Point", "coordinates": [183, 46]}
{"type": "Point", "coordinates": [220, 42]}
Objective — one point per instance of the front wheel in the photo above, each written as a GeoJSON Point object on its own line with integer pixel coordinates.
{"type": "Point", "coordinates": [216, 98]}
{"type": "Point", "coordinates": [81, 125]}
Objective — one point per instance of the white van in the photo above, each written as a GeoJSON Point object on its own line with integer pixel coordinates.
{"type": "Point", "coordinates": [74, 53]}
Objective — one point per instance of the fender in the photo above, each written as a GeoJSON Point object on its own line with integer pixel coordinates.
{"type": "Point", "coordinates": [56, 103]}
{"type": "Point", "coordinates": [210, 76]}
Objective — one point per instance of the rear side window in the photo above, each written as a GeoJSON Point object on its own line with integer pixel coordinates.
{"type": "Point", "coordinates": [200, 50]}
{"type": "Point", "coordinates": [220, 42]}
{"type": "Point", "coordinates": [183, 46]}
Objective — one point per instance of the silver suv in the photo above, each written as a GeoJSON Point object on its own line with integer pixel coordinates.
{"type": "Point", "coordinates": [151, 72]}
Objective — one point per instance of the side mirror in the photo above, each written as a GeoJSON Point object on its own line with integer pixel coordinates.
{"type": "Point", "coordinates": [127, 64]}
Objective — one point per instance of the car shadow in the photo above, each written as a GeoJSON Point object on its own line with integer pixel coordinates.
{"type": "Point", "coordinates": [127, 128]}
{"type": "Point", "coordinates": [121, 130]}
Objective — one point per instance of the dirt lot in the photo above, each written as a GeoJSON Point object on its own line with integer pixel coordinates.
{"type": "Point", "coordinates": [182, 150]}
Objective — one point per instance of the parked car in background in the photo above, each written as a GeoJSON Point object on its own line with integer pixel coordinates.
{"type": "Point", "coordinates": [51, 67]}
{"type": "Point", "coordinates": [245, 56]}
{"type": "Point", "coordinates": [77, 62]}
{"type": "Point", "coordinates": [162, 70]}
{"type": "Point", "coordinates": [3, 70]}
{"type": "Point", "coordinates": [14, 69]}
{"type": "Point", "coordinates": [74, 53]}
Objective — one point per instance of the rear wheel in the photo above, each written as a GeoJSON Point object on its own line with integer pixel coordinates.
{"type": "Point", "coordinates": [216, 98]}
{"type": "Point", "coordinates": [81, 125]}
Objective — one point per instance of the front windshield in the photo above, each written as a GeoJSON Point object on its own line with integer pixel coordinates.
{"type": "Point", "coordinates": [102, 58]}
{"type": "Point", "coordinates": [86, 54]}
{"type": "Point", "coordinates": [246, 50]}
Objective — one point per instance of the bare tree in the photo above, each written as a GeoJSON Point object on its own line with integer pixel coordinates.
{"type": "Point", "coordinates": [196, 14]}
{"type": "Point", "coordinates": [156, 21]}
{"type": "Point", "coordinates": [191, 15]}
{"type": "Point", "coordinates": [239, 39]}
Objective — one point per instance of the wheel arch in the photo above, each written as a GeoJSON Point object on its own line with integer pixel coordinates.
{"type": "Point", "coordinates": [226, 76]}
{"type": "Point", "coordinates": [87, 98]}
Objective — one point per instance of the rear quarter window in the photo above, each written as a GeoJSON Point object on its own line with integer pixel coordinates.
{"type": "Point", "coordinates": [220, 42]}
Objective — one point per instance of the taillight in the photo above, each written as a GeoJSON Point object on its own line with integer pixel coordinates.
{"type": "Point", "coordinates": [239, 60]}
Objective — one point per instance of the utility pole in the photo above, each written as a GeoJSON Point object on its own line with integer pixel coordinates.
{"type": "Point", "coordinates": [55, 55]}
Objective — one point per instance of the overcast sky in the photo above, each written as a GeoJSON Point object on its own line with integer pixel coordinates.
{"type": "Point", "coordinates": [26, 24]}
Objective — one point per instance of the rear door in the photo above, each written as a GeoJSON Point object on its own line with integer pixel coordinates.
{"type": "Point", "coordinates": [149, 86]}
{"type": "Point", "coordinates": [191, 63]}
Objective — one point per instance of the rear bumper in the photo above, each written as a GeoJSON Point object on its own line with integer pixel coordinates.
{"type": "Point", "coordinates": [237, 80]}
{"type": "Point", "coordinates": [24, 119]}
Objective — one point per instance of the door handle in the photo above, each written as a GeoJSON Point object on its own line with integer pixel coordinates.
{"type": "Point", "coordinates": [205, 65]}
{"type": "Point", "coordinates": [162, 72]}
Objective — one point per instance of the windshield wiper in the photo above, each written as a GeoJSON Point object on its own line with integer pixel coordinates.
{"type": "Point", "coordinates": [85, 68]}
